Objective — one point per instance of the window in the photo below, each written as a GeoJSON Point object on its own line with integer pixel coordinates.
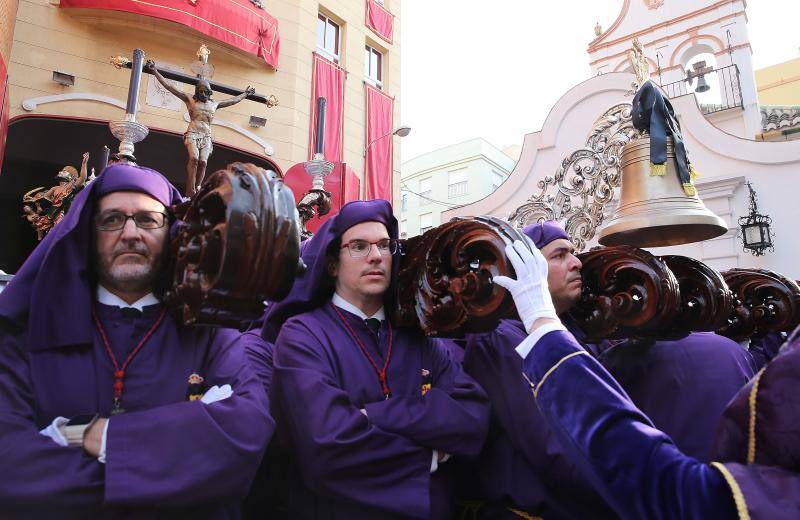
{"type": "Point", "coordinates": [497, 180]}
{"type": "Point", "coordinates": [373, 66]}
{"type": "Point", "coordinates": [328, 37]}
{"type": "Point", "coordinates": [425, 222]}
{"type": "Point", "coordinates": [457, 183]}
{"type": "Point", "coordinates": [425, 191]}
{"type": "Point", "coordinates": [404, 228]}
{"type": "Point", "coordinates": [404, 202]}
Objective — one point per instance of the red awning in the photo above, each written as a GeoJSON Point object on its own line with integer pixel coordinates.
{"type": "Point", "coordinates": [236, 22]}
{"type": "Point", "coordinates": [380, 20]}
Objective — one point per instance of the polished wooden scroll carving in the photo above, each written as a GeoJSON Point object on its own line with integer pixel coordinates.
{"type": "Point", "coordinates": [238, 245]}
{"type": "Point", "coordinates": [765, 302]}
{"type": "Point", "coordinates": [445, 282]}
{"type": "Point", "coordinates": [627, 293]}
{"type": "Point", "coordinates": [445, 289]}
{"type": "Point", "coordinates": [706, 300]}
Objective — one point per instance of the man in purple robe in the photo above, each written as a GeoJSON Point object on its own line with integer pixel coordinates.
{"type": "Point", "coordinates": [370, 413]}
{"type": "Point", "coordinates": [682, 385]}
{"type": "Point", "coordinates": [663, 378]}
{"type": "Point", "coordinates": [635, 467]}
{"type": "Point", "coordinates": [522, 469]}
{"type": "Point", "coordinates": [109, 406]}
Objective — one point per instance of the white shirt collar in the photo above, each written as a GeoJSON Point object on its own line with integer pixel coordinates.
{"type": "Point", "coordinates": [349, 307]}
{"type": "Point", "coordinates": [106, 297]}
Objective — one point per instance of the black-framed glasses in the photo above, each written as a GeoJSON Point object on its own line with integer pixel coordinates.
{"type": "Point", "coordinates": [360, 248]}
{"type": "Point", "coordinates": [114, 220]}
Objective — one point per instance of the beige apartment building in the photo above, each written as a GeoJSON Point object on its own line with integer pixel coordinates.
{"type": "Point", "coordinates": [449, 177]}
{"type": "Point", "coordinates": [779, 99]}
{"type": "Point", "coordinates": [62, 89]}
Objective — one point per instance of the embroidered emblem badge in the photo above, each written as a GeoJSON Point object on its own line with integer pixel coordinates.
{"type": "Point", "coordinates": [426, 380]}
{"type": "Point", "coordinates": [196, 387]}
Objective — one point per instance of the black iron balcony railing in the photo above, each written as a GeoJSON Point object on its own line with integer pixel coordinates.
{"type": "Point", "coordinates": [730, 89]}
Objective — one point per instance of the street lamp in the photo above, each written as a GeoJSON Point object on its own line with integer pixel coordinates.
{"type": "Point", "coordinates": [756, 234]}
{"type": "Point", "coordinates": [400, 132]}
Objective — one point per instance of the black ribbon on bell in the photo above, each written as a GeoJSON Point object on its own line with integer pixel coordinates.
{"type": "Point", "coordinates": [653, 113]}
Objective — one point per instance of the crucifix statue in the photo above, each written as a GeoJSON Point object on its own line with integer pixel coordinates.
{"type": "Point", "coordinates": [201, 109]}
{"type": "Point", "coordinates": [197, 138]}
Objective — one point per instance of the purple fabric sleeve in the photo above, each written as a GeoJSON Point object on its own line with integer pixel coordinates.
{"type": "Point", "coordinates": [259, 354]}
{"type": "Point", "coordinates": [635, 467]}
{"type": "Point", "coordinates": [190, 452]}
{"type": "Point", "coordinates": [34, 468]}
{"type": "Point", "coordinates": [769, 493]}
{"type": "Point", "coordinates": [453, 416]}
{"type": "Point", "coordinates": [339, 452]}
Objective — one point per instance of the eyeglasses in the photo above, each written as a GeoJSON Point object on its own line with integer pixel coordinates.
{"type": "Point", "coordinates": [115, 220]}
{"type": "Point", "coordinates": [360, 248]}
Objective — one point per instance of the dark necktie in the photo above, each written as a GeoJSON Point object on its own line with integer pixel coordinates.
{"type": "Point", "coordinates": [131, 312]}
{"type": "Point", "coordinates": [373, 324]}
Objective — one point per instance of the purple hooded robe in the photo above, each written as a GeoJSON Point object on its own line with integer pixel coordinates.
{"type": "Point", "coordinates": [634, 466]}
{"type": "Point", "coordinates": [764, 347]}
{"type": "Point", "coordinates": [522, 465]}
{"type": "Point", "coordinates": [682, 385]}
{"type": "Point", "coordinates": [761, 423]}
{"type": "Point", "coordinates": [165, 456]}
{"type": "Point", "coordinates": [348, 464]}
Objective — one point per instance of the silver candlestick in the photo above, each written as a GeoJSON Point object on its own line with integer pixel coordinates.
{"type": "Point", "coordinates": [128, 132]}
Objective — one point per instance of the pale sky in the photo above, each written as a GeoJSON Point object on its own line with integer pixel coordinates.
{"type": "Point", "coordinates": [473, 68]}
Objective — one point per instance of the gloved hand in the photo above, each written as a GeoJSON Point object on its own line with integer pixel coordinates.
{"type": "Point", "coordinates": [54, 431]}
{"type": "Point", "coordinates": [216, 393]}
{"type": "Point", "coordinates": [530, 292]}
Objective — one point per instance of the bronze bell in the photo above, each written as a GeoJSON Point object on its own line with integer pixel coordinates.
{"type": "Point", "coordinates": [654, 210]}
{"type": "Point", "coordinates": [702, 84]}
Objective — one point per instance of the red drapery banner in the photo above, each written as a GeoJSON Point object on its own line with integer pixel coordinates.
{"type": "Point", "coordinates": [236, 22]}
{"type": "Point", "coordinates": [380, 20]}
{"type": "Point", "coordinates": [379, 159]}
{"type": "Point", "coordinates": [327, 80]}
{"type": "Point", "coordinates": [4, 107]}
{"type": "Point", "coordinates": [342, 183]}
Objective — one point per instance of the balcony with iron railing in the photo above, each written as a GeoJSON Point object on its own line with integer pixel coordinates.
{"type": "Point", "coordinates": [730, 89]}
{"type": "Point", "coordinates": [457, 189]}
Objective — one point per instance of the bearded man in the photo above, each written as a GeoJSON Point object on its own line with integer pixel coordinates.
{"type": "Point", "coordinates": [109, 406]}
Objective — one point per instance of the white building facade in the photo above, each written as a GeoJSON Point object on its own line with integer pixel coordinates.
{"type": "Point", "coordinates": [577, 146]}
{"type": "Point", "coordinates": [447, 178]}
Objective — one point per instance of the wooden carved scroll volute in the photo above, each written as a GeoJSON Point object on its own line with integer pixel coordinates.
{"type": "Point", "coordinates": [706, 300]}
{"type": "Point", "coordinates": [765, 302]}
{"type": "Point", "coordinates": [238, 245]}
{"type": "Point", "coordinates": [445, 282]}
{"type": "Point", "coordinates": [627, 293]}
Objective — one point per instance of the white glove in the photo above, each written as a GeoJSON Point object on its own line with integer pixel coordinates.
{"type": "Point", "coordinates": [530, 292]}
{"type": "Point", "coordinates": [54, 432]}
{"type": "Point", "coordinates": [216, 393]}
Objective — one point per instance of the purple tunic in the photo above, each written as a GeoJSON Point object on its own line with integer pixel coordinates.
{"type": "Point", "coordinates": [762, 423]}
{"type": "Point", "coordinates": [165, 456]}
{"type": "Point", "coordinates": [259, 353]}
{"type": "Point", "coordinates": [163, 453]}
{"type": "Point", "coordinates": [635, 467]}
{"type": "Point", "coordinates": [764, 347]}
{"type": "Point", "coordinates": [684, 385]}
{"type": "Point", "coordinates": [348, 465]}
{"type": "Point", "coordinates": [522, 464]}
